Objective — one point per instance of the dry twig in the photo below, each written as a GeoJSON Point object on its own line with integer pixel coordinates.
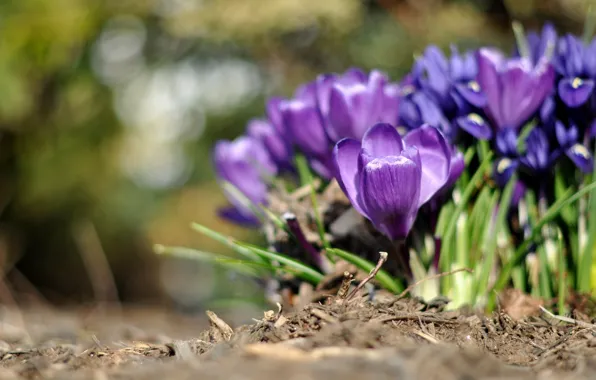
{"type": "Point", "coordinates": [371, 275]}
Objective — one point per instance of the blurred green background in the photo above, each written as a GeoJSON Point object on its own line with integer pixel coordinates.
{"type": "Point", "coordinates": [109, 109]}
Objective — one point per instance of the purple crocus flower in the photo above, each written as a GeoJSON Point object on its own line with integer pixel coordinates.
{"type": "Point", "coordinates": [303, 122]}
{"type": "Point", "coordinates": [387, 178]}
{"type": "Point", "coordinates": [537, 159]}
{"type": "Point", "coordinates": [419, 108]}
{"type": "Point", "coordinates": [568, 140]}
{"type": "Point", "coordinates": [451, 82]}
{"type": "Point", "coordinates": [576, 64]}
{"type": "Point", "coordinates": [514, 88]}
{"type": "Point", "coordinates": [508, 161]}
{"type": "Point", "coordinates": [539, 45]}
{"type": "Point", "coordinates": [244, 163]}
{"type": "Point", "coordinates": [279, 149]}
{"type": "Point", "coordinates": [350, 103]}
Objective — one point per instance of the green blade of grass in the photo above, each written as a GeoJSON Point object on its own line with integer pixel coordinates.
{"type": "Point", "coordinates": [488, 262]}
{"type": "Point", "coordinates": [520, 252]}
{"type": "Point", "coordinates": [228, 242]}
{"type": "Point", "coordinates": [307, 179]}
{"type": "Point", "coordinates": [258, 209]}
{"type": "Point", "coordinates": [544, 275]}
{"type": "Point", "coordinates": [446, 258]}
{"type": "Point", "coordinates": [241, 266]}
{"type": "Point", "coordinates": [300, 270]}
{"type": "Point", "coordinates": [562, 289]}
{"type": "Point", "coordinates": [584, 272]}
{"type": "Point", "coordinates": [388, 282]}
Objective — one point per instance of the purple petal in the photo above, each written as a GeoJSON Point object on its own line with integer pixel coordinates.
{"type": "Point", "coordinates": [472, 93]}
{"type": "Point", "coordinates": [504, 169]}
{"type": "Point", "coordinates": [234, 215]}
{"type": "Point", "coordinates": [382, 140]}
{"type": "Point", "coordinates": [345, 156]}
{"type": "Point", "coordinates": [390, 186]}
{"type": "Point", "coordinates": [575, 91]}
{"type": "Point", "coordinates": [475, 125]}
{"type": "Point", "coordinates": [264, 131]}
{"type": "Point", "coordinates": [435, 157]}
{"type": "Point", "coordinates": [391, 100]}
{"type": "Point", "coordinates": [580, 157]}
{"type": "Point", "coordinates": [323, 165]}
{"type": "Point", "coordinates": [489, 63]}
{"type": "Point", "coordinates": [341, 122]}
{"type": "Point", "coordinates": [305, 127]}
{"type": "Point", "coordinates": [274, 114]}
{"type": "Point", "coordinates": [456, 168]}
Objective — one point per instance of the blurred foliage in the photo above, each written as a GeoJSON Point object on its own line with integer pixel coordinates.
{"type": "Point", "coordinates": [110, 107]}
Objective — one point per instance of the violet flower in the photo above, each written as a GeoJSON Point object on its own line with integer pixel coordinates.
{"type": "Point", "coordinates": [303, 122]}
{"type": "Point", "coordinates": [568, 140]}
{"type": "Point", "coordinates": [388, 179]}
{"type": "Point", "coordinates": [539, 45]}
{"type": "Point", "coordinates": [508, 161]}
{"type": "Point", "coordinates": [279, 149]}
{"type": "Point", "coordinates": [351, 102]}
{"type": "Point", "coordinates": [244, 163]}
{"type": "Point", "coordinates": [514, 88]}
{"type": "Point", "coordinates": [576, 64]}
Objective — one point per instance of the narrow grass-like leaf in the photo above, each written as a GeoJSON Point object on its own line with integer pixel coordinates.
{"type": "Point", "coordinates": [257, 209]}
{"type": "Point", "coordinates": [446, 257]}
{"type": "Point", "coordinates": [307, 179]}
{"type": "Point", "coordinates": [589, 24]}
{"type": "Point", "coordinates": [387, 281]}
{"type": "Point", "coordinates": [562, 269]}
{"type": "Point", "coordinates": [522, 41]}
{"type": "Point", "coordinates": [299, 269]}
{"type": "Point", "coordinates": [489, 260]}
{"type": "Point", "coordinates": [584, 270]}
{"type": "Point", "coordinates": [544, 276]}
{"type": "Point", "coordinates": [550, 214]}
{"type": "Point", "coordinates": [241, 266]}
{"type": "Point", "coordinates": [228, 242]}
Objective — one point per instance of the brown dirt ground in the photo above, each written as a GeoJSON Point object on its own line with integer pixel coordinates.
{"type": "Point", "coordinates": [387, 339]}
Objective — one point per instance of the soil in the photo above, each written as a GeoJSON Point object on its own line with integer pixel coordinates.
{"type": "Point", "coordinates": [390, 338]}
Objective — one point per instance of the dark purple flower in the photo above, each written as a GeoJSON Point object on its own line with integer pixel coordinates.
{"type": "Point", "coordinates": [350, 103]}
{"type": "Point", "coordinates": [508, 162]}
{"type": "Point", "coordinates": [475, 125]}
{"type": "Point", "coordinates": [419, 108]}
{"type": "Point", "coordinates": [514, 88]}
{"type": "Point", "coordinates": [537, 158]}
{"type": "Point", "coordinates": [388, 178]}
{"type": "Point", "coordinates": [244, 163]}
{"type": "Point", "coordinates": [568, 140]}
{"type": "Point", "coordinates": [576, 64]}
{"type": "Point", "coordinates": [540, 45]}
{"type": "Point", "coordinates": [279, 149]}
{"type": "Point", "coordinates": [451, 82]}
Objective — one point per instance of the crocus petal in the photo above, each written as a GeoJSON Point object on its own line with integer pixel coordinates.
{"type": "Point", "coordinates": [305, 127]}
{"type": "Point", "coordinates": [580, 157]}
{"type": "Point", "coordinates": [575, 91]}
{"type": "Point", "coordinates": [278, 148]}
{"type": "Point", "coordinates": [504, 169]}
{"type": "Point", "coordinates": [382, 140]}
{"type": "Point", "coordinates": [472, 93]}
{"type": "Point", "coordinates": [274, 114]}
{"type": "Point", "coordinates": [345, 156]}
{"type": "Point", "coordinates": [489, 62]}
{"type": "Point", "coordinates": [475, 125]}
{"type": "Point", "coordinates": [390, 185]}
{"type": "Point", "coordinates": [456, 168]}
{"type": "Point", "coordinates": [435, 157]}
{"type": "Point", "coordinates": [238, 217]}
{"type": "Point", "coordinates": [341, 122]}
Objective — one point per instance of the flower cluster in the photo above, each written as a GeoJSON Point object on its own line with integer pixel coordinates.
{"type": "Point", "coordinates": [394, 147]}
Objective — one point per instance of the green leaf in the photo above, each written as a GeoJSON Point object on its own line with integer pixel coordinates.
{"type": "Point", "coordinates": [489, 260]}
{"type": "Point", "coordinates": [240, 266]}
{"type": "Point", "coordinates": [228, 242]}
{"type": "Point", "coordinates": [307, 179]}
{"type": "Point", "coordinates": [585, 261]}
{"type": "Point", "coordinates": [519, 254]}
{"type": "Point", "coordinates": [386, 280]}
{"type": "Point", "coordinates": [299, 269]}
{"type": "Point", "coordinates": [446, 255]}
